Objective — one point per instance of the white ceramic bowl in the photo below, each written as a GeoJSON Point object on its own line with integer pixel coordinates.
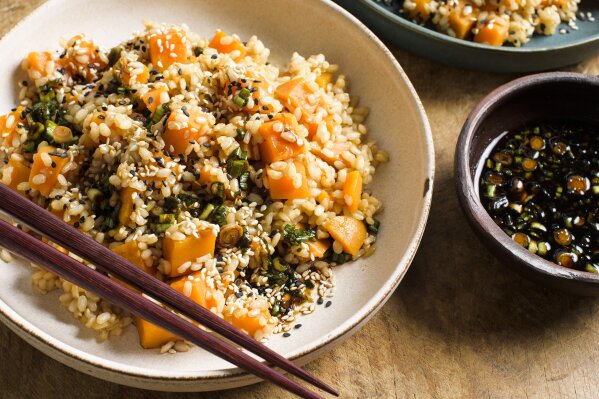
{"type": "Point", "coordinates": [397, 121]}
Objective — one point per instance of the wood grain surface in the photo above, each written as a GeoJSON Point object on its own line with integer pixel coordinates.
{"type": "Point", "coordinates": [459, 326]}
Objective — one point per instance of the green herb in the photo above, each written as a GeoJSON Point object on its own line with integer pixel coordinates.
{"type": "Point", "coordinates": [296, 236]}
{"type": "Point", "coordinates": [111, 219]}
{"type": "Point", "coordinates": [219, 215]}
{"type": "Point", "coordinates": [242, 98]}
{"type": "Point", "coordinates": [114, 55]}
{"type": "Point", "coordinates": [244, 179]}
{"type": "Point", "coordinates": [161, 223]}
{"type": "Point", "coordinates": [374, 227]}
{"type": "Point", "coordinates": [160, 112]}
{"type": "Point", "coordinates": [188, 199]}
{"type": "Point", "coordinates": [47, 93]}
{"type": "Point", "coordinates": [217, 189]}
{"type": "Point", "coordinates": [340, 258]}
{"type": "Point", "coordinates": [206, 212]}
{"type": "Point", "coordinates": [49, 129]}
{"type": "Point", "coordinates": [278, 265]}
{"type": "Point", "coordinates": [240, 133]}
{"type": "Point", "coordinates": [124, 90]}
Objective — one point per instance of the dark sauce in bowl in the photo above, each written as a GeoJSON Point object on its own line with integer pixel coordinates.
{"type": "Point", "coordinates": [541, 186]}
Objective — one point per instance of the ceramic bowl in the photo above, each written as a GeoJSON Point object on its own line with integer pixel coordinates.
{"type": "Point", "coordinates": [541, 53]}
{"type": "Point", "coordinates": [546, 97]}
{"type": "Point", "coordinates": [397, 121]}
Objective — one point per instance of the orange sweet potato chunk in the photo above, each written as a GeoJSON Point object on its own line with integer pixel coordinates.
{"type": "Point", "coordinates": [226, 44]}
{"type": "Point", "coordinates": [297, 93]}
{"type": "Point", "coordinates": [177, 138]}
{"type": "Point", "coordinates": [167, 48]}
{"type": "Point", "coordinates": [49, 179]}
{"type": "Point", "coordinates": [461, 24]}
{"type": "Point", "coordinates": [319, 247]}
{"type": "Point", "coordinates": [201, 292]}
{"type": "Point", "coordinates": [151, 336]}
{"type": "Point", "coordinates": [8, 126]}
{"type": "Point", "coordinates": [350, 233]}
{"type": "Point", "coordinates": [493, 32]}
{"type": "Point", "coordinates": [38, 61]}
{"type": "Point", "coordinates": [283, 187]}
{"type": "Point", "coordinates": [187, 250]}
{"type": "Point", "coordinates": [17, 172]}
{"type": "Point", "coordinates": [273, 146]}
{"type": "Point", "coordinates": [130, 251]}
{"type": "Point", "coordinates": [420, 12]}
{"type": "Point", "coordinates": [352, 190]}
{"type": "Point", "coordinates": [152, 98]}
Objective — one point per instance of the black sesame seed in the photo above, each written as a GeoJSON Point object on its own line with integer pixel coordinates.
{"type": "Point", "coordinates": [76, 225]}
{"type": "Point", "coordinates": [214, 56]}
{"type": "Point", "coordinates": [319, 301]}
{"type": "Point", "coordinates": [329, 303]}
{"type": "Point", "coordinates": [297, 326]}
{"type": "Point", "coordinates": [239, 294]}
{"type": "Point", "coordinates": [184, 110]}
{"type": "Point", "coordinates": [207, 145]}
{"type": "Point", "coordinates": [53, 164]}
{"type": "Point", "coordinates": [286, 335]}
{"type": "Point", "coordinates": [122, 102]}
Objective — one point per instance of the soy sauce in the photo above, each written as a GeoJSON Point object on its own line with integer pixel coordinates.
{"type": "Point", "coordinates": [541, 186]}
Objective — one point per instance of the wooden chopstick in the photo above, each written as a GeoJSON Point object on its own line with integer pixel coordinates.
{"type": "Point", "coordinates": [67, 236]}
{"type": "Point", "coordinates": [40, 253]}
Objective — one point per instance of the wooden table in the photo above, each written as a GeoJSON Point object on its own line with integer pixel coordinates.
{"type": "Point", "coordinates": [460, 325]}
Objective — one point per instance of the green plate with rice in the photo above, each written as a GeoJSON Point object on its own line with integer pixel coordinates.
{"type": "Point", "coordinates": [566, 47]}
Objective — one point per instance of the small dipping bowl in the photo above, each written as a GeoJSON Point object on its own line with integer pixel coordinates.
{"type": "Point", "coordinates": [536, 99]}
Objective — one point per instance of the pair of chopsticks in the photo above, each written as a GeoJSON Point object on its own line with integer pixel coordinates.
{"type": "Point", "coordinates": [17, 241]}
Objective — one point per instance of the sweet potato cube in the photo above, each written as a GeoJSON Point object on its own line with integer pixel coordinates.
{"type": "Point", "coordinates": [312, 127]}
{"type": "Point", "coordinates": [226, 44]}
{"type": "Point", "coordinates": [324, 79]}
{"type": "Point", "coordinates": [274, 147]}
{"type": "Point", "coordinates": [44, 178]}
{"type": "Point", "coordinates": [421, 11]}
{"type": "Point", "coordinates": [126, 196]}
{"type": "Point", "coordinates": [167, 48]}
{"type": "Point", "coordinates": [493, 32]}
{"type": "Point", "coordinates": [201, 292]}
{"type": "Point", "coordinates": [297, 93]}
{"type": "Point", "coordinates": [37, 63]}
{"type": "Point", "coordinates": [352, 190]}
{"type": "Point", "coordinates": [152, 98]}
{"type": "Point", "coordinates": [350, 233]}
{"type": "Point", "coordinates": [8, 126]}
{"type": "Point", "coordinates": [184, 125]}
{"type": "Point", "coordinates": [251, 320]}
{"type": "Point", "coordinates": [319, 247]}
{"type": "Point", "coordinates": [284, 187]}
{"type": "Point", "coordinates": [130, 251]}
{"type": "Point", "coordinates": [151, 336]}
{"type": "Point", "coordinates": [461, 24]}
{"type": "Point", "coordinates": [15, 173]}
{"type": "Point", "coordinates": [129, 80]}
{"type": "Point", "coordinates": [177, 252]}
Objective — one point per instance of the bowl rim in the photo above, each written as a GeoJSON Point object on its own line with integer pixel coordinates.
{"type": "Point", "coordinates": [68, 355]}
{"type": "Point", "coordinates": [446, 39]}
{"type": "Point", "coordinates": [469, 200]}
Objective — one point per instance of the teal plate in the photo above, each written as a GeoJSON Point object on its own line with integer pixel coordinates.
{"type": "Point", "coordinates": [539, 54]}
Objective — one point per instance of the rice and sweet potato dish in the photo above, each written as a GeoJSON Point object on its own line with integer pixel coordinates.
{"type": "Point", "coordinates": [495, 22]}
{"type": "Point", "coordinates": [238, 182]}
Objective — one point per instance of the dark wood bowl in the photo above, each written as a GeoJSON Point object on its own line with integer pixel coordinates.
{"type": "Point", "coordinates": [546, 97]}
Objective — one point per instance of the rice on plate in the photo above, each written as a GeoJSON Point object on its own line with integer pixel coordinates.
{"type": "Point", "coordinates": [494, 22]}
{"type": "Point", "coordinates": [238, 182]}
